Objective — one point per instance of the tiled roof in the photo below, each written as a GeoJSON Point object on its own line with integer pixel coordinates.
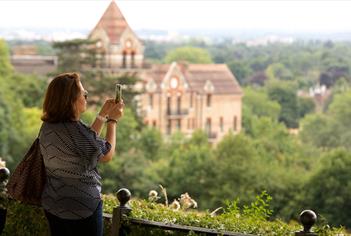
{"type": "Point", "coordinates": [196, 76]}
{"type": "Point", "coordinates": [113, 23]}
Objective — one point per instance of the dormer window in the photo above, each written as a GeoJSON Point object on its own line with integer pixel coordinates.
{"type": "Point", "coordinates": [174, 83]}
{"type": "Point", "coordinates": [129, 44]}
{"type": "Point", "coordinates": [151, 101]}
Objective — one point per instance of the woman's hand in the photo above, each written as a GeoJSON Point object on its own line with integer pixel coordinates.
{"type": "Point", "coordinates": [116, 110]}
{"type": "Point", "coordinates": [106, 107]}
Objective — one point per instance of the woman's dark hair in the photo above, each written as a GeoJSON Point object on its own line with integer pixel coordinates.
{"type": "Point", "coordinates": [60, 97]}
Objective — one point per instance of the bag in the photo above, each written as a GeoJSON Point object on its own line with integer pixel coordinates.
{"type": "Point", "coordinates": [27, 182]}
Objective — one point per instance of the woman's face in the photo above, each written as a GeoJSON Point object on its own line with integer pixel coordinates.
{"type": "Point", "coordinates": [81, 103]}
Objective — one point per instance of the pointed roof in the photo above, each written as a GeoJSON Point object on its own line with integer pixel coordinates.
{"type": "Point", "coordinates": [113, 22]}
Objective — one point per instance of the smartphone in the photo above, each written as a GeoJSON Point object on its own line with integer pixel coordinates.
{"type": "Point", "coordinates": [118, 93]}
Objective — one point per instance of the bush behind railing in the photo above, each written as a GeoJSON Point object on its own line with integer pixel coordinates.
{"type": "Point", "coordinates": [27, 220]}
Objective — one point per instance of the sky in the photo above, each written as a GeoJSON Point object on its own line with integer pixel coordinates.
{"type": "Point", "coordinates": [299, 15]}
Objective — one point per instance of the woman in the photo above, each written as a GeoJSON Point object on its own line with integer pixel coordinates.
{"type": "Point", "coordinates": [71, 150]}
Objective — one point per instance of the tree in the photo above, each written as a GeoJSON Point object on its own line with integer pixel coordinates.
{"type": "Point", "coordinates": [278, 71]}
{"type": "Point", "coordinates": [190, 164]}
{"type": "Point", "coordinates": [258, 103]}
{"type": "Point", "coordinates": [11, 116]}
{"type": "Point", "coordinates": [332, 129]}
{"type": "Point", "coordinates": [240, 69]}
{"type": "Point", "coordinates": [29, 89]}
{"type": "Point", "coordinates": [285, 94]}
{"type": "Point", "coordinates": [150, 143]}
{"type": "Point", "coordinates": [306, 105]}
{"type": "Point", "coordinates": [315, 130]}
{"type": "Point", "coordinates": [76, 55]}
{"type": "Point", "coordinates": [5, 65]}
{"type": "Point", "coordinates": [235, 170]}
{"type": "Point", "coordinates": [189, 54]}
{"type": "Point", "coordinates": [329, 190]}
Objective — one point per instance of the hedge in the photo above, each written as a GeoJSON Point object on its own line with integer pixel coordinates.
{"type": "Point", "coordinates": [26, 220]}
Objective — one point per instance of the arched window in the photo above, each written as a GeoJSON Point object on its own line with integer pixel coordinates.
{"type": "Point", "coordinates": [221, 124]}
{"type": "Point", "coordinates": [124, 60]}
{"type": "Point", "coordinates": [132, 61]}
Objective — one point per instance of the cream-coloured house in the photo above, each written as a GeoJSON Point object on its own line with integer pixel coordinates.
{"type": "Point", "coordinates": [187, 97]}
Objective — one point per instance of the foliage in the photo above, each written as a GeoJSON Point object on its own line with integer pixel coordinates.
{"type": "Point", "coordinates": [285, 94]}
{"type": "Point", "coordinates": [331, 129]}
{"type": "Point", "coordinates": [189, 54]}
{"type": "Point", "coordinates": [29, 89]}
{"type": "Point", "coordinates": [240, 69]}
{"type": "Point", "coordinates": [256, 103]}
{"type": "Point", "coordinates": [278, 71]}
{"type": "Point", "coordinates": [329, 189]}
{"type": "Point", "coordinates": [191, 163]}
{"type": "Point", "coordinates": [5, 65]}
{"type": "Point", "coordinates": [11, 123]}
{"type": "Point", "coordinates": [306, 105]}
{"type": "Point", "coordinates": [28, 220]}
{"type": "Point", "coordinates": [251, 218]}
{"type": "Point", "coordinates": [25, 220]}
{"type": "Point", "coordinates": [150, 142]}
{"type": "Point", "coordinates": [75, 55]}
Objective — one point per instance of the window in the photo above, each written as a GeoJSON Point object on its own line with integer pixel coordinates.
{"type": "Point", "coordinates": [191, 99]}
{"type": "Point", "coordinates": [169, 127]}
{"type": "Point", "coordinates": [208, 100]}
{"type": "Point", "coordinates": [221, 124]}
{"type": "Point", "coordinates": [154, 123]}
{"type": "Point", "coordinates": [179, 104]}
{"type": "Point", "coordinates": [208, 126]}
{"type": "Point", "coordinates": [174, 82]}
{"type": "Point", "coordinates": [169, 105]}
{"type": "Point", "coordinates": [235, 123]}
{"type": "Point", "coordinates": [132, 59]}
{"type": "Point", "coordinates": [179, 124]}
{"type": "Point", "coordinates": [151, 101]}
{"type": "Point", "coordinates": [124, 60]}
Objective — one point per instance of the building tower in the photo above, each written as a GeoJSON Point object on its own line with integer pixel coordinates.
{"type": "Point", "coordinates": [119, 48]}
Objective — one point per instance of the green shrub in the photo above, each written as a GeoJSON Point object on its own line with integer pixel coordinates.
{"type": "Point", "coordinates": [26, 220]}
{"type": "Point", "coordinates": [252, 219]}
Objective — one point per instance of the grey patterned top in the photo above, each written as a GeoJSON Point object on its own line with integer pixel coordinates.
{"type": "Point", "coordinates": [71, 151]}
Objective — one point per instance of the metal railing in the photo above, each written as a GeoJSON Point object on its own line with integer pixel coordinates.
{"type": "Point", "coordinates": [307, 218]}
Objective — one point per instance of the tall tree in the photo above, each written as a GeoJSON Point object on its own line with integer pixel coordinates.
{"type": "Point", "coordinates": [5, 65]}
{"type": "Point", "coordinates": [285, 94]}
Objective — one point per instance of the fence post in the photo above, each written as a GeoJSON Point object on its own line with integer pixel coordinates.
{"type": "Point", "coordinates": [307, 218]}
{"type": "Point", "coordinates": [123, 196]}
{"type": "Point", "coordinates": [4, 175]}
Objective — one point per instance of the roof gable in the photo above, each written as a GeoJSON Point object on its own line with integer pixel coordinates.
{"type": "Point", "coordinates": [113, 23]}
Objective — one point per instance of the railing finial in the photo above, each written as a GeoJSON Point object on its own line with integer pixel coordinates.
{"type": "Point", "coordinates": [4, 174]}
{"type": "Point", "coordinates": [123, 196]}
{"type": "Point", "coordinates": [307, 218]}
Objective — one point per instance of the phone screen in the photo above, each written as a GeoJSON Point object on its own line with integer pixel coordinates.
{"type": "Point", "coordinates": [118, 93]}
